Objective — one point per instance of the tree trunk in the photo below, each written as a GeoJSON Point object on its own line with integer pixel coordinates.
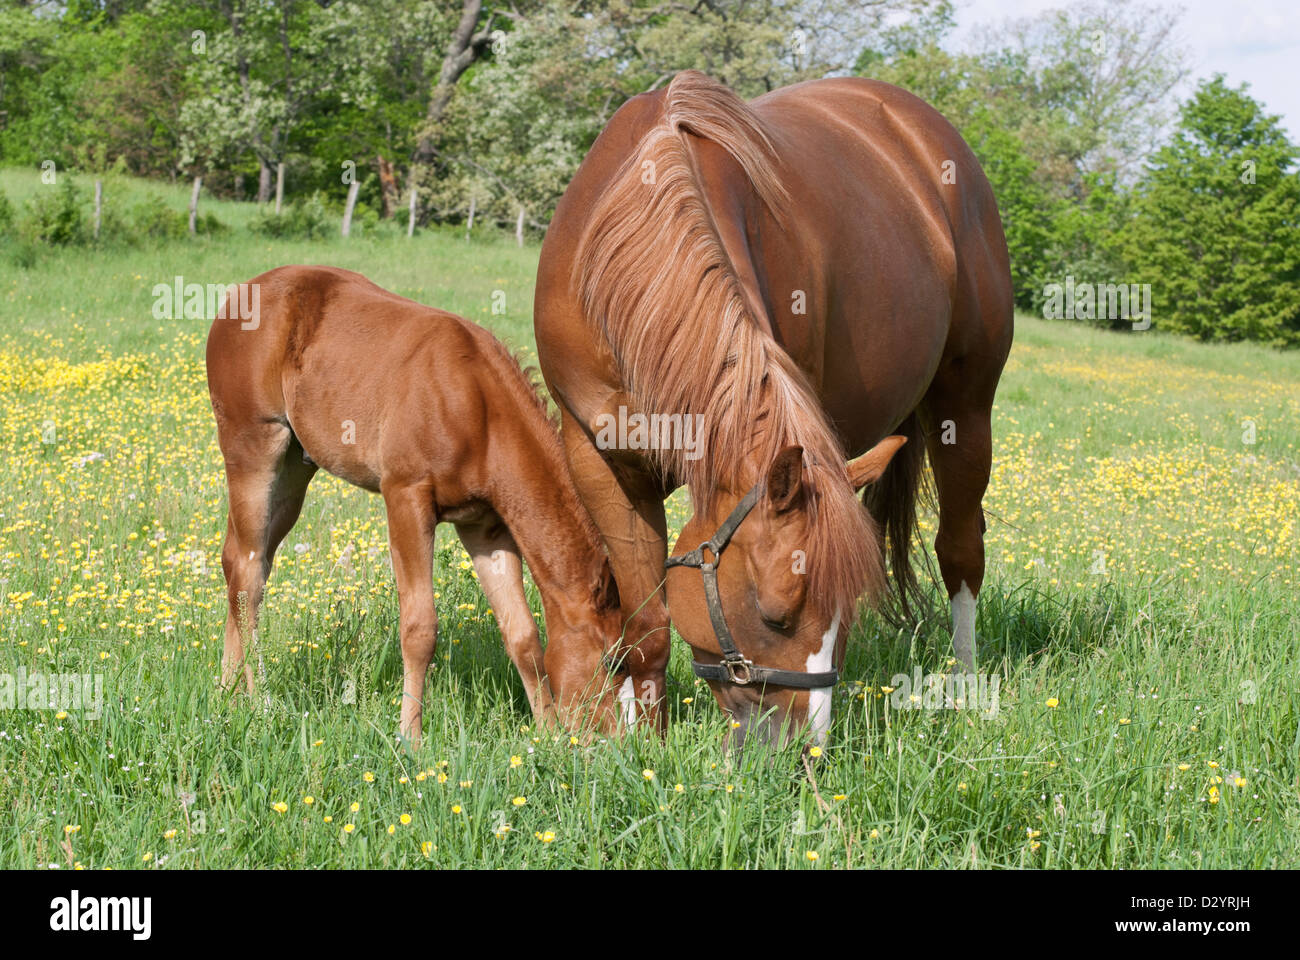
{"type": "Point", "coordinates": [390, 193]}
{"type": "Point", "coordinates": [463, 49]}
{"type": "Point", "coordinates": [263, 181]}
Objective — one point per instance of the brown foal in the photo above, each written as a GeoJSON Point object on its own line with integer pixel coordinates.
{"type": "Point", "coordinates": [432, 412]}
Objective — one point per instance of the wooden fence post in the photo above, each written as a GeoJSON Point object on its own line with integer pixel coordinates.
{"type": "Point", "coordinates": [469, 226]}
{"type": "Point", "coordinates": [519, 228]}
{"type": "Point", "coordinates": [410, 222]}
{"type": "Point", "coordinates": [99, 200]}
{"type": "Point", "coordinates": [352, 202]}
{"type": "Point", "coordinates": [194, 205]}
{"type": "Point", "coordinates": [279, 187]}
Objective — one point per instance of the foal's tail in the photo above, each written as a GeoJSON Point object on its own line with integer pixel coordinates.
{"type": "Point", "coordinates": [892, 501]}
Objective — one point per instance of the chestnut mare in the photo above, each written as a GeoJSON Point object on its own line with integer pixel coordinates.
{"type": "Point", "coordinates": [807, 273]}
{"type": "Point", "coordinates": [432, 412]}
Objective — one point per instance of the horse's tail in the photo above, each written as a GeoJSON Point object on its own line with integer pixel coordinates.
{"type": "Point", "coordinates": [892, 501]}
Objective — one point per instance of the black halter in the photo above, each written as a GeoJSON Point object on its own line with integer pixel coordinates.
{"type": "Point", "coordinates": [734, 668]}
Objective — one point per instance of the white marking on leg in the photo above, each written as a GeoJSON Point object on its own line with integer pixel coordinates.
{"type": "Point", "coordinates": [819, 699]}
{"type": "Point", "coordinates": [963, 626]}
{"type": "Point", "coordinates": [627, 697]}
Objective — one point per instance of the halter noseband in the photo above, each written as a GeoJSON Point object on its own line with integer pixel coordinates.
{"type": "Point", "coordinates": [734, 668]}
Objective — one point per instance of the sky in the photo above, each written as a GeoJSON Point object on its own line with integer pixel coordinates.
{"type": "Point", "coordinates": [1255, 41]}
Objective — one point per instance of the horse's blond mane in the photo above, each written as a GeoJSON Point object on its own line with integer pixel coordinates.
{"type": "Point", "coordinates": [653, 275]}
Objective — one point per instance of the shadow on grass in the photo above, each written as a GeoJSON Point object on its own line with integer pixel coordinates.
{"type": "Point", "coordinates": [1014, 624]}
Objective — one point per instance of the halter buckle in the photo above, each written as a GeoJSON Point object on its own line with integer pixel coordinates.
{"type": "Point", "coordinates": [745, 667]}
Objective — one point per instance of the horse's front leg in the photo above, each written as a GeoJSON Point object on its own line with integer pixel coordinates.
{"type": "Point", "coordinates": [626, 504]}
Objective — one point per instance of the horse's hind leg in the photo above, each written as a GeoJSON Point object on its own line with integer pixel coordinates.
{"type": "Point", "coordinates": [958, 436]}
{"type": "Point", "coordinates": [412, 519]}
{"type": "Point", "coordinates": [266, 484]}
{"type": "Point", "coordinates": [501, 574]}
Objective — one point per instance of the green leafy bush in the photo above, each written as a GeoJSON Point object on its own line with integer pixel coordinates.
{"type": "Point", "coordinates": [300, 220]}
{"type": "Point", "coordinates": [151, 218]}
{"type": "Point", "coordinates": [6, 215]}
{"type": "Point", "coordinates": [56, 216]}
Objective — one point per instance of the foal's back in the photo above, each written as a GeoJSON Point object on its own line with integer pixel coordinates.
{"type": "Point", "coordinates": [375, 387]}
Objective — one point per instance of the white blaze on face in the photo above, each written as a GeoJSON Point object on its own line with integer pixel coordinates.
{"type": "Point", "coordinates": [819, 699]}
{"type": "Point", "coordinates": [963, 626]}
{"type": "Point", "coordinates": [627, 699]}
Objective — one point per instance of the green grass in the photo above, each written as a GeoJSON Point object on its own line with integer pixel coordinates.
{"type": "Point", "coordinates": [1179, 649]}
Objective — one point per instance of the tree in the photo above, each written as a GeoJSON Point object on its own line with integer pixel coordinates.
{"type": "Point", "coordinates": [1216, 225]}
{"type": "Point", "coordinates": [259, 78]}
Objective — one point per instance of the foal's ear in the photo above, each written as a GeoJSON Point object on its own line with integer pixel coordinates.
{"type": "Point", "coordinates": [607, 590]}
{"type": "Point", "coordinates": [785, 479]}
{"type": "Point", "coordinates": [868, 467]}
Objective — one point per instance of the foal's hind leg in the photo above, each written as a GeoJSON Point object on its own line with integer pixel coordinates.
{"type": "Point", "coordinates": [501, 574]}
{"type": "Point", "coordinates": [958, 436]}
{"type": "Point", "coordinates": [411, 522]}
{"type": "Point", "coordinates": [266, 480]}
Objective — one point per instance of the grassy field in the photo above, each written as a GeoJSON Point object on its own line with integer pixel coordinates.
{"type": "Point", "coordinates": [1140, 609]}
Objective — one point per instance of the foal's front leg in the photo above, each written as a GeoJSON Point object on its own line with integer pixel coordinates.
{"type": "Point", "coordinates": [411, 522]}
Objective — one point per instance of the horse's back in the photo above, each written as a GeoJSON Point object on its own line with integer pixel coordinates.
{"type": "Point", "coordinates": [352, 368]}
{"type": "Point", "coordinates": [900, 227]}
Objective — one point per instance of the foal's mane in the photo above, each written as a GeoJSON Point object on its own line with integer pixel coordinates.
{"type": "Point", "coordinates": [653, 276]}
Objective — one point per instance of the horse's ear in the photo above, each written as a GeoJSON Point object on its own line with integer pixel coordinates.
{"type": "Point", "coordinates": [785, 479]}
{"type": "Point", "coordinates": [868, 467]}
